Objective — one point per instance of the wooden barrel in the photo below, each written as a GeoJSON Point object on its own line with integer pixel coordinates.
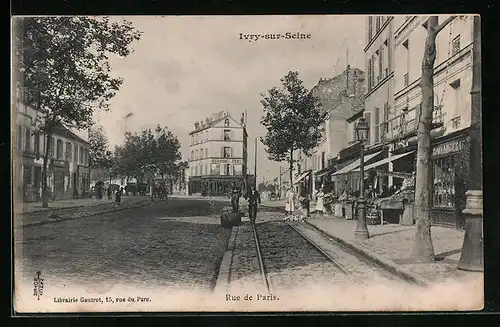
{"type": "Point", "coordinates": [372, 218]}
{"type": "Point", "coordinates": [230, 219]}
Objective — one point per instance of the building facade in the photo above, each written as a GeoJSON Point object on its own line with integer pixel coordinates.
{"type": "Point", "coordinates": [452, 108]}
{"type": "Point", "coordinates": [67, 169]}
{"type": "Point", "coordinates": [393, 55]}
{"type": "Point", "coordinates": [217, 155]}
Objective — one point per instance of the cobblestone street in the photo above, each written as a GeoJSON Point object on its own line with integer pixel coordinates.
{"type": "Point", "coordinates": [176, 244]}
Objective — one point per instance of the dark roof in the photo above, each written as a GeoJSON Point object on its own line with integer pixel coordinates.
{"type": "Point", "coordinates": [63, 131]}
{"type": "Point", "coordinates": [214, 122]}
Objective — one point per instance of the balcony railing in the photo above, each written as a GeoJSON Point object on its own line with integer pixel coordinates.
{"type": "Point", "coordinates": [405, 125]}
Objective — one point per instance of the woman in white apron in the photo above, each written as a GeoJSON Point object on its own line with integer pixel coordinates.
{"type": "Point", "coordinates": [320, 195]}
{"type": "Point", "coordinates": [290, 203]}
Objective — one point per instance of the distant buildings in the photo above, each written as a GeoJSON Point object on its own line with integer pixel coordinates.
{"type": "Point", "coordinates": [217, 155]}
{"type": "Point", "coordinates": [68, 165]}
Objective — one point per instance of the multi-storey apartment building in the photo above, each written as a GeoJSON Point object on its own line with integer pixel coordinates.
{"type": "Point", "coordinates": [67, 173]}
{"type": "Point", "coordinates": [340, 96]}
{"type": "Point", "coordinates": [394, 52]}
{"type": "Point", "coordinates": [452, 108]}
{"type": "Point", "coordinates": [217, 154]}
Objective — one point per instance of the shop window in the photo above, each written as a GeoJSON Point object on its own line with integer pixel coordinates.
{"type": "Point", "coordinates": [27, 175]}
{"type": "Point", "coordinates": [444, 182]}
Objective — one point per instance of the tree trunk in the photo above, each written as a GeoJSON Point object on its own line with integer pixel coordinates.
{"type": "Point", "coordinates": [423, 250]}
{"type": "Point", "coordinates": [291, 167]}
{"type": "Point", "coordinates": [45, 191]}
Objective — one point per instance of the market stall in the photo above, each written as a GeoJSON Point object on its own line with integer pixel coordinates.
{"type": "Point", "coordinates": [396, 208]}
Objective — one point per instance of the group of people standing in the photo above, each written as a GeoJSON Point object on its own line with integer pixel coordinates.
{"type": "Point", "coordinates": [253, 198]}
{"type": "Point", "coordinates": [302, 203]}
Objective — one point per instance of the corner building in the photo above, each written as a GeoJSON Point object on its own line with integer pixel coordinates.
{"type": "Point", "coordinates": [217, 155]}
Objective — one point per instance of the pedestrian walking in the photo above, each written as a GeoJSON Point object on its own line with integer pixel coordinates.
{"type": "Point", "coordinates": [253, 197]}
{"type": "Point", "coordinates": [118, 196]}
{"type": "Point", "coordinates": [235, 198]}
{"type": "Point", "coordinates": [320, 196]}
{"type": "Point", "coordinates": [304, 203]}
{"type": "Point", "coordinates": [290, 203]}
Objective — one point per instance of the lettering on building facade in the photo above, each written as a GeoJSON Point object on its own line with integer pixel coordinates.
{"type": "Point", "coordinates": [228, 161]}
{"type": "Point", "coordinates": [449, 147]}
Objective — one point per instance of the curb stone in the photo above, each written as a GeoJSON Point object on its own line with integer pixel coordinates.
{"type": "Point", "coordinates": [51, 220]}
{"type": "Point", "coordinates": [377, 258]}
{"type": "Point", "coordinates": [225, 266]}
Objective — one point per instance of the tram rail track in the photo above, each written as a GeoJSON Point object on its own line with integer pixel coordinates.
{"type": "Point", "coordinates": [348, 273]}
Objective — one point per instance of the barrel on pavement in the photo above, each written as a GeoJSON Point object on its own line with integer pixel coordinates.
{"type": "Point", "coordinates": [229, 218]}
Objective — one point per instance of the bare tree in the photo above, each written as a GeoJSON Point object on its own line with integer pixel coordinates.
{"type": "Point", "coordinates": [423, 249]}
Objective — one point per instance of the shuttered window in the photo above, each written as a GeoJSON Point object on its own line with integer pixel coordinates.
{"type": "Point", "coordinates": [381, 63]}
{"type": "Point", "coordinates": [370, 28]}
{"type": "Point", "coordinates": [386, 118]}
{"type": "Point", "coordinates": [369, 74]}
{"type": "Point", "coordinates": [368, 120]}
{"type": "Point", "coordinates": [377, 125]}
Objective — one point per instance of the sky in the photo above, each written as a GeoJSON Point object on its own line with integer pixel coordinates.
{"type": "Point", "coordinates": [186, 68]}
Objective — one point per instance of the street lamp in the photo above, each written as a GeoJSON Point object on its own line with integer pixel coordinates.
{"type": "Point", "coordinates": [362, 128]}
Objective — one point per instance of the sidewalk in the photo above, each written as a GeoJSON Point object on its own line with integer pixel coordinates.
{"type": "Point", "coordinates": [392, 245]}
{"type": "Point", "coordinates": [86, 209]}
{"type": "Point", "coordinates": [60, 204]}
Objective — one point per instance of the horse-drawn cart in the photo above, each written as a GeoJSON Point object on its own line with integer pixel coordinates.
{"type": "Point", "coordinates": [159, 189]}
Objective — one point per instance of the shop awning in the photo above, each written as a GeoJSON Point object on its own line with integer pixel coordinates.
{"type": "Point", "coordinates": [355, 164]}
{"type": "Point", "coordinates": [324, 171]}
{"type": "Point", "coordinates": [299, 178]}
{"type": "Point", "coordinates": [384, 161]}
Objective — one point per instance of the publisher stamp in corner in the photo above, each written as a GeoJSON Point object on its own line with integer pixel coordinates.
{"type": "Point", "coordinates": [38, 285]}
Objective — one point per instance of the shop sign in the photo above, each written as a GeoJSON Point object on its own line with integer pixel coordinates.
{"type": "Point", "coordinates": [449, 147]}
{"type": "Point", "coordinates": [227, 161]}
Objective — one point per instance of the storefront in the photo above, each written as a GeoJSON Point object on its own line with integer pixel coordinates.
{"type": "Point", "coordinates": [450, 166]}
{"type": "Point", "coordinates": [347, 179]}
{"type": "Point", "coordinates": [82, 182]}
{"type": "Point", "coordinates": [214, 185]}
